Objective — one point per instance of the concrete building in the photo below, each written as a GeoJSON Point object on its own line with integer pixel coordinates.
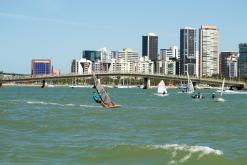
{"type": "Point", "coordinates": [81, 66]}
{"type": "Point", "coordinates": [172, 53]}
{"type": "Point", "coordinates": [209, 51]}
{"type": "Point", "coordinates": [150, 46]}
{"type": "Point", "coordinates": [41, 67]}
{"type": "Point", "coordinates": [242, 61]}
{"type": "Point", "coordinates": [119, 66]}
{"type": "Point", "coordinates": [128, 55]}
{"type": "Point", "coordinates": [144, 65]}
{"type": "Point", "coordinates": [228, 64]}
{"type": "Point", "coordinates": [169, 66]}
{"type": "Point", "coordinates": [92, 55]}
{"type": "Point", "coordinates": [105, 54]}
{"type": "Point", "coordinates": [188, 51]}
{"type": "Point", "coordinates": [101, 66]}
{"type": "Point", "coordinates": [56, 72]}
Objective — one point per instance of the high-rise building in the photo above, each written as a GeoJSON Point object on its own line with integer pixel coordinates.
{"type": "Point", "coordinates": [128, 55]}
{"type": "Point", "coordinates": [119, 66]}
{"type": "Point", "coordinates": [150, 46]}
{"type": "Point", "coordinates": [242, 61]}
{"type": "Point", "coordinates": [228, 64]}
{"type": "Point", "coordinates": [92, 55]}
{"type": "Point", "coordinates": [188, 51]}
{"type": "Point", "coordinates": [144, 65]}
{"type": "Point", "coordinates": [169, 67]}
{"type": "Point", "coordinates": [171, 52]}
{"type": "Point", "coordinates": [41, 67]}
{"type": "Point", "coordinates": [209, 50]}
{"type": "Point", "coordinates": [81, 66]}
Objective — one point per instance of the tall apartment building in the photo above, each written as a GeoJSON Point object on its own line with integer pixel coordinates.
{"type": "Point", "coordinates": [92, 55]}
{"type": "Point", "coordinates": [128, 55]}
{"type": "Point", "coordinates": [171, 53]}
{"type": "Point", "coordinates": [41, 67]}
{"type": "Point", "coordinates": [209, 50]}
{"type": "Point", "coordinates": [119, 66]}
{"type": "Point", "coordinates": [188, 51]}
{"type": "Point", "coordinates": [229, 64]}
{"type": "Point", "coordinates": [81, 66]}
{"type": "Point", "coordinates": [242, 61]}
{"type": "Point", "coordinates": [168, 66]}
{"type": "Point", "coordinates": [150, 46]}
{"type": "Point", "coordinates": [144, 65]}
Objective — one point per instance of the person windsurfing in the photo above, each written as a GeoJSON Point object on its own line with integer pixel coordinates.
{"type": "Point", "coordinates": [97, 98]}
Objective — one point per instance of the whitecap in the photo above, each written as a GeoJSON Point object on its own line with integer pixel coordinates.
{"type": "Point", "coordinates": [185, 147]}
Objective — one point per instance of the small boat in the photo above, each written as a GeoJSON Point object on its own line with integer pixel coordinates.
{"type": "Point", "coordinates": [102, 97]}
{"type": "Point", "coordinates": [197, 96]}
{"type": "Point", "coordinates": [162, 89]}
{"type": "Point", "coordinates": [189, 88]}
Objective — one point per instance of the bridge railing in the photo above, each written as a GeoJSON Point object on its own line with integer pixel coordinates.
{"type": "Point", "coordinates": [143, 74]}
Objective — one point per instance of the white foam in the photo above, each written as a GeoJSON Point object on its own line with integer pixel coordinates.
{"type": "Point", "coordinates": [92, 106]}
{"type": "Point", "coordinates": [192, 149]}
{"type": "Point", "coordinates": [201, 150]}
{"type": "Point", "coordinates": [43, 103]}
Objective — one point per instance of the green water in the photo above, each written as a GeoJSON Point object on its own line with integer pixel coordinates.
{"type": "Point", "coordinates": [65, 126]}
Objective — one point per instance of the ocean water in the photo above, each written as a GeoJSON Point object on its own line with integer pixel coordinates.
{"type": "Point", "coordinates": [65, 126]}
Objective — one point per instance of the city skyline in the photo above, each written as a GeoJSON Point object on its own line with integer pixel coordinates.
{"type": "Point", "coordinates": [60, 30]}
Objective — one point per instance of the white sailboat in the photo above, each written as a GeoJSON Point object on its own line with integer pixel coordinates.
{"type": "Point", "coordinates": [162, 89]}
{"type": "Point", "coordinates": [221, 99]}
{"type": "Point", "coordinates": [190, 88]}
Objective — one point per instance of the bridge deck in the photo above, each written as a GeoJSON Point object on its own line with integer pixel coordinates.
{"type": "Point", "coordinates": [169, 77]}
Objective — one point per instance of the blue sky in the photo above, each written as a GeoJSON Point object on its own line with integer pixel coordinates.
{"type": "Point", "coordinates": [61, 29]}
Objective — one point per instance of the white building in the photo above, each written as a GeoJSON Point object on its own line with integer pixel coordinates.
{"type": "Point", "coordinates": [81, 66]}
{"type": "Point", "coordinates": [101, 66]}
{"type": "Point", "coordinates": [209, 50]}
{"type": "Point", "coordinates": [233, 67]}
{"type": "Point", "coordinates": [168, 67]}
{"type": "Point", "coordinates": [128, 55]}
{"type": "Point", "coordinates": [171, 52]}
{"type": "Point", "coordinates": [105, 54]}
{"type": "Point", "coordinates": [119, 66]}
{"type": "Point", "coordinates": [144, 65]}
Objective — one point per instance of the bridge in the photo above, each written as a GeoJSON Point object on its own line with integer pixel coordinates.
{"type": "Point", "coordinates": [146, 77]}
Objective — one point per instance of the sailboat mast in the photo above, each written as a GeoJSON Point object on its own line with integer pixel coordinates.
{"type": "Point", "coordinates": [222, 88]}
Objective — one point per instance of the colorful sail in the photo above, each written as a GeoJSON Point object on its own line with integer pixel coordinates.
{"type": "Point", "coordinates": [105, 98]}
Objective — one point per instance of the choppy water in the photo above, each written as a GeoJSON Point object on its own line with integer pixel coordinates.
{"type": "Point", "coordinates": [65, 126]}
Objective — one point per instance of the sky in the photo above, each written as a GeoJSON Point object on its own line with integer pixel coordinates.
{"type": "Point", "coordinates": [61, 29]}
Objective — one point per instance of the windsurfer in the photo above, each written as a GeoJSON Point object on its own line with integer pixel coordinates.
{"type": "Point", "coordinates": [96, 98]}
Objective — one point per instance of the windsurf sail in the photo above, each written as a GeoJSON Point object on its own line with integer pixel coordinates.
{"type": "Point", "coordinates": [190, 85]}
{"type": "Point", "coordinates": [162, 88]}
{"type": "Point", "coordinates": [104, 97]}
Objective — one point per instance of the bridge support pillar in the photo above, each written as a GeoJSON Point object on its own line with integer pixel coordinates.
{"type": "Point", "coordinates": [1, 77]}
{"type": "Point", "coordinates": [146, 83]}
{"type": "Point", "coordinates": [43, 84]}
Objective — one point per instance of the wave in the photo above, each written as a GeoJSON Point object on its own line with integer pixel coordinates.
{"type": "Point", "coordinates": [190, 151]}
{"type": "Point", "coordinates": [167, 154]}
{"type": "Point", "coordinates": [48, 103]}
{"type": "Point", "coordinates": [91, 106]}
